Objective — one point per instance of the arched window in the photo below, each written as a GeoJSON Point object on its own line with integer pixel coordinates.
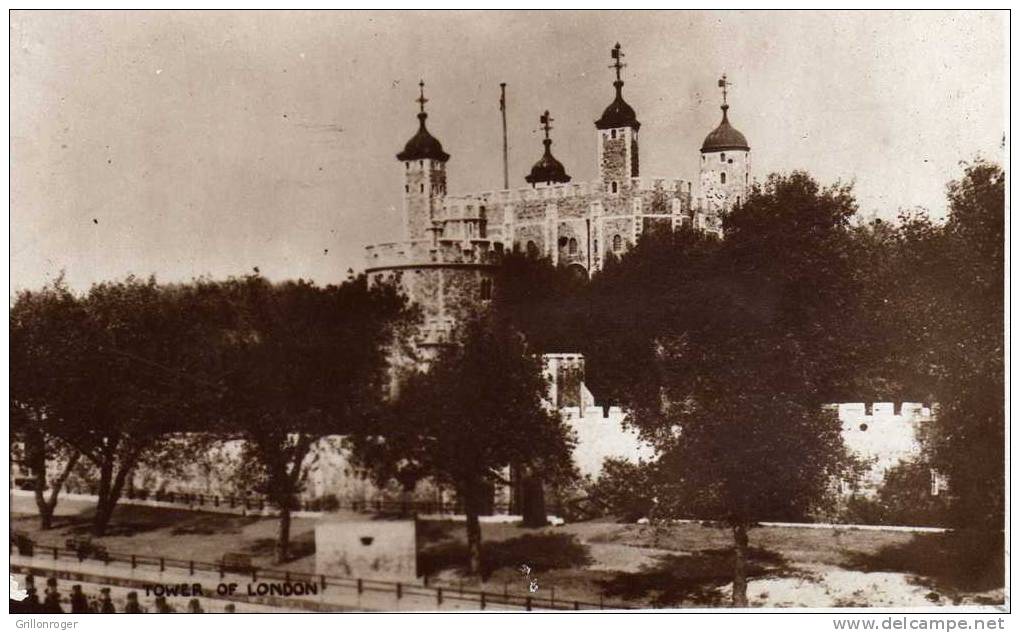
{"type": "Point", "coordinates": [613, 186]}
{"type": "Point", "coordinates": [532, 248]}
{"type": "Point", "coordinates": [722, 157]}
{"type": "Point", "coordinates": [572, 246]}
{"type": "Point", "coordinates": [485, 289]}
{"type": "Point", "coordinates": [422, 187]}
{"type": "Point", "coordinates": [617, 243]}
{"type": "Point", "coordinates": [722, 178]}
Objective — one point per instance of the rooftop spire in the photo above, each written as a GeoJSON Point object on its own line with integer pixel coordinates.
{"type": "Point", "coordinates": [422, 145]}
{"type": "Point", "coordinates": [619, 113]}
{"type": "Point", "coordinates": [725, 136]}
{"type": "Point", "coordinates": [547, 169]}
{"type": "Point", "coordinates": [421, 98]}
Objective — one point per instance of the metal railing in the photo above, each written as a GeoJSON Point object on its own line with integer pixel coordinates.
{"type": "Point", "coordinates": [438, 594]}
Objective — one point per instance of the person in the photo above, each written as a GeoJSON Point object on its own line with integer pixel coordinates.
{"type": "Point", "coordinates": [194, 606]}
{"type": "Point", "coordinates": [32, 604]}
{"type": "Point", "coordinates": [229, 608]}
{"type": "Point", "coordinates": [105, 604]}
{"type": "Point", "coordinates": [132, 605]}
{"type": "Point", "coordinates": [79, 601]}
{"type": "Point", "coordinates": [162, 606]}
{"type": "Point", "coordinates": [51, 603]}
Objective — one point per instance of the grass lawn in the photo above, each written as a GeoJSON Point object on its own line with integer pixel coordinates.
{"type": "Point", "coordinates": [680, 565]}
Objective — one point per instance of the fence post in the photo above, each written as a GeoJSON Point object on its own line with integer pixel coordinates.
{"type": "Point", "coordinates": [400, 591]}
{"type": "Point", "coordinates": [483, 601]}
{"type": "Point", "coordinates": [527, 603]}
{"type": "Point", "coordinates": [133, 561]}
{"type": "Point", "coordinates": [577, 606]}
{"type": "Point", "coordinates": [439, 595]}
{"type": "Point", "coordinates": [360, 588]}
{"type": "Point", "coordinates": [55, 553]}
{"type": "Point", "coordinates": [223, 572]}
{"type": "Point", "coordinates": [254, 574]}
{"type": "Point", "coordinates": [191, 568]}
{"type": "Point", "coordinates": [286, 577]}
{"type": "Point", "coordinates": [162, 564]}
{"type": "Point", "coordinates": [601, 597]}
{"type": "Point", "coordinates": [552, 597]}
{"type": "Point", "coordinates": [506, 591]}
{"type": "Point", "coordinates": [322, 581]}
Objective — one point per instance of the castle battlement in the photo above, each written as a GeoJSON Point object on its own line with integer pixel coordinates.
{"type": "Point", "coordinates": [423, 253]}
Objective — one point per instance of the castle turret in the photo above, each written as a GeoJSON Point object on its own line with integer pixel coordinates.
{"type": "Point", "coordinates": [424, 176]}
{"type": "Point", "coordinates": [547, 170]}
{"type": "Point", "coordinates": [617, 136]}
{"type": "Point", "coordinates": [725, 163]}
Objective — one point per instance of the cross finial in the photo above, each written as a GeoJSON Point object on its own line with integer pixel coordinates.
{"type": "Point", "coordinates": [617, 56]}
{"type": "Point", "coordinates": [421, 98]}
{"type": "Point", "coordinates": [724, 84]}
{"type": "Point", "coordinates": [546, 121]}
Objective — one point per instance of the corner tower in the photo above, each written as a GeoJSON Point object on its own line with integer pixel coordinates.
{"type": "Point", "coordinates": [424, 176]}
{"type": "Point", "coordinates": [617, 136]}
{"type": "Point", "coordinates": [725, 163]}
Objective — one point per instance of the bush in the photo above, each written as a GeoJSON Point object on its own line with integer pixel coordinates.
{"type": "Point", "coordinates": [623, 489]}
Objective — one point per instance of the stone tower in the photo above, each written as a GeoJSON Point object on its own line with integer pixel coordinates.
{"type": "Point", "coordinates": [725, 163]}
{"type": "Point", "coordinates": [424, 177]}
{"type": "Point", "coordinates": [617, 137]}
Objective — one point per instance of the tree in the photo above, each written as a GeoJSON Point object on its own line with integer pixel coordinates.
{"type": "Point", "coordinates": [110, 374]}
{"type": "Point", "coordinates": [35, 320]}
{"type": "Point", "coordinates": [741, 348]}
{"type": "Point", "coordinates": [949, 298]}
{"type": "Point", "coordinates": [299, 363]}
{"type": "Point", "coordinates": [476, 410]}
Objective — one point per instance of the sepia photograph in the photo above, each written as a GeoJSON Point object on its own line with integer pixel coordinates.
{"type": "Point", "coordinates": [433, 311]}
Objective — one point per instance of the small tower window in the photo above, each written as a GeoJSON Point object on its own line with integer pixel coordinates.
{"type": "Point", "coordinates": [421, 163]}
{"type": "Point", "coordinates": [407, 188]}
{"type": "Point", "coordinates": [722, 178]}
{"type": "Point", "coordinates": [407, 164]}
{"type": "Point", "coordinates": [617, 243]}
{"type": "Point", "coordinates": [572, 246]}
{"type": "Point", "coordinates": [485, 290]}
{"type": "Point", "coordinates": [612, 134]}
{"type": "Point", "coordinates": [422, 186]}
{"type": "Point", "coordinates": [613, 186]}
{"type": "Point", "coordinates": [722, 157]}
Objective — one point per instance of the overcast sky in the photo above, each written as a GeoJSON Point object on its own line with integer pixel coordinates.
{"type": "Point", "coordinates": [186, 144]}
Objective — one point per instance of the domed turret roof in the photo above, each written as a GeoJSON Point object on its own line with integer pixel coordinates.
{"type": "Point", "coordinates": [618, 113]}
{"type": "Point", "coordinates": [724, 137]}
{"type": "Point", "coordinates": [423, 145]}
{"type": "Point", "coordinates": [547, 169]}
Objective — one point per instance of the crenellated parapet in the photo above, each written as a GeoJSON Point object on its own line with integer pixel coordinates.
{"type": "Point", "coordinates": [431, 252]}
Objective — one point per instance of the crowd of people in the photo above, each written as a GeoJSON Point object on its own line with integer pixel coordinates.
{"type": "Point", "coordinates": [80, 602]}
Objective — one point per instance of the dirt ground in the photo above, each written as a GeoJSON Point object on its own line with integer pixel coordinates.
{"type": "Point", "coordinates": [685, 565]}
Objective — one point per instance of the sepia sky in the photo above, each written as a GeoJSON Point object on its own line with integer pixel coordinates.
{"type": "Point", "coordinates": [186, 144]}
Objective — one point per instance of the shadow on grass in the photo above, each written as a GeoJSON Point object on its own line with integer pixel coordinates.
{"type": "Point", "coordinates": [953, 562]}
{"type": "Point", "coordinates": [301, 545]}
{"type": "Point", "coordinates": [213, 524]}
{"type": "Point", "coordinates": [540, 552]}
{"type": "Point", "coordinates": [694, 579]}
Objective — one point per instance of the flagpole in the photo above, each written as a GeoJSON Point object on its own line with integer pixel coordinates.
{"type": "Point", "coordinates": [502, 108]}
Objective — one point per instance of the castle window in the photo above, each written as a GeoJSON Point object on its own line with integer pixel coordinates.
{"type": "Point", "coordinates": [422, 187]}
{"type": "Point", "coordinates": [617, 243]}
{"type": "Point", "coordinates": [730, 161]}
{"type": "Point", "coordinates": [612, 134]}
{"type": "Point", "coordinates": [407, 164]}
{"type": "Point", "coordinates": [572, 246]}
{"type": "Point", "coordinates": [613, 186]}
{"type": "Point", "coordinates": [498, 246]}
{"type": "Point", "coordinates": [407, 188]}
{"type": "Point", "coordinates": [738, 201]}
{"type": "Point", "coordinates": [722, 178]}
{"type": "Point", "coordinates": [421, 163]}
{"type": "Point", "coordinates": [485, 290]}
{"type": "Point", "coordinates": [532, 248]}
{"type": "Point", "coordinates": [722, 157]}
